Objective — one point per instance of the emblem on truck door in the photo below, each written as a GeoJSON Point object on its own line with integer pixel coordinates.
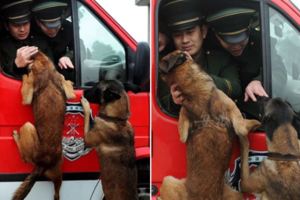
{"type": "Point", "coordinates": [73, 137]}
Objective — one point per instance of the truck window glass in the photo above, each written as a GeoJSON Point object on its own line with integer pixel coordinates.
{"type": "Point", "coordinates": [102, 54]}
{"type": "Point", "coordinates": [285, 60]}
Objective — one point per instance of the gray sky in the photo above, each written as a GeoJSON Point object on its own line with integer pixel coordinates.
{"type": "Point", "coordinates": [134, 19]}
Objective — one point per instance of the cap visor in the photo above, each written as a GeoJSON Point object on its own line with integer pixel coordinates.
{"type": "Point", "coordinates": [234, 39]}
{"type": "Point", "coordinates": [183, 27]}
{"type": "Point", "coordinates": [21, 20]}
{"type": "Point", "coordinates": [54, 24]}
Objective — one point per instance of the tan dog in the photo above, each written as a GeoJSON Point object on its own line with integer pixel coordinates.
{"type": "Point", "coordinates": [277, 177]}
{"type": "Point", "coordinates": [47, 91]}
{"type": "Point", "coordinates": [113, 138]}
{"type": "Point", "coordinates": [207, 122]}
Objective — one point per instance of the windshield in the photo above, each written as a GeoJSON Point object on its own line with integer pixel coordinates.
{"type": "Point", "coordinates": [296, 3]}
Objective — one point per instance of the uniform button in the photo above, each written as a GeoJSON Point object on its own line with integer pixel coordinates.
{"type": "Point", "coordinates": [207, 52]}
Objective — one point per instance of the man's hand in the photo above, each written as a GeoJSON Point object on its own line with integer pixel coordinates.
{"type": "Point", "coordinates": [254, 88]}
{"type": "Point", "coordinates": [65, 63]}
{"type": "Point", "coordinates": [176, 94]}
{"type": "Point", "coordinates": [24, 56]}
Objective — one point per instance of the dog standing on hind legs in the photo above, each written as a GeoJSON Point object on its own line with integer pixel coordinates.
{"type": "Point", "coordinates": [278, 176]}
{"type": "Point", "coordinates": [208, 121]}
{"type": "Point", "coordinates": [112, 136]}
{"type": "Point", "coordinates": [40, 144]}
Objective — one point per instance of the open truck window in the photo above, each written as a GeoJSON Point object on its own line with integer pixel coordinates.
{"type": "Point", "coordinates": [212, 50]}
{"type": "Point", "coordinates": [102, 55]}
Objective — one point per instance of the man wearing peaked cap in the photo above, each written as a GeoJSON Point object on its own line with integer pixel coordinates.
{"type": "Point", "coordinates": [19, 45]}
{"type": "Point", "coordinates": [181, 14]}
{"type": "Point", "coordinates": [188, 30]}
{"type": "Point", "coordinates": [234, 33]}
{"type": "Point", "coordinates": [50, 24]}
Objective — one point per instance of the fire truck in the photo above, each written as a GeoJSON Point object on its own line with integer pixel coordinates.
{"type": "Point", "coordinates": [278, 22]}
{"type": "Point", "coordinates": [103, 50]}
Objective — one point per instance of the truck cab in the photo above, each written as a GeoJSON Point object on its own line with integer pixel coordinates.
{"type": "Point", "coordinates": [278, 25]}
{"type": "Point", "coordinates": [102, 50]}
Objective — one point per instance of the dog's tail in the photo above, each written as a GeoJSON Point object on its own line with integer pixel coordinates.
{"type": "Point", "coordinates": [27, 184]}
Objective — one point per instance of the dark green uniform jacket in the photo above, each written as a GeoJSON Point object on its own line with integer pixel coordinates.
{"type": "Point", "coordinates": [220, 67]}
{"type": "Point", "coordinates": [250, 68]}
{"type": "Point", "coordinates": [61, 45]}
{"type": "Point", "coordinates": [8, 50]}
{"type": "Point", "coordinates": [250, 62]}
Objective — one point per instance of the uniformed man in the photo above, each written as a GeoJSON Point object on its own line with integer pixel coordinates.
{"type": "Point", "coordinates": [50, 22]}
{"type": "Point", "coordinates": [188, 31]}
{"type": "Point", "coordinates": [19, 45]}
{"type": "Point", "coordinates": [234, 32]}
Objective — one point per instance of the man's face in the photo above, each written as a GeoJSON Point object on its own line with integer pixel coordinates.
{"type": "Point", "coordinates": [19, 31]}
{"type": "Point", "coordinates": [50, 32]}
{"type": "Point", "coordinates": [235, 49]}
{"type": "Point", "coordinates": [190, 40]}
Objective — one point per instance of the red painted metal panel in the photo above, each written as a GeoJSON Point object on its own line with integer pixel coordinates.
{"type": "Point", "coordinates": [13, 115]}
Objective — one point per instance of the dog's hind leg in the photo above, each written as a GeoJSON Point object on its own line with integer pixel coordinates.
{"type": "Point", "coordinates": [55, 175]}
{"type": "Point", "coordinates": [183, 125]}
{"type": "Point", "coordinates": [27, 89]}
{"type": "Point", "coordinates": [231, 194]}
{"type": "Point", "coordinates": [173, 189]}
{"type": "Point", "coordinates": [27, 141]}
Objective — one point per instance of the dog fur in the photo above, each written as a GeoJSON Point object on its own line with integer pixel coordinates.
{"type": "Point", "coordinates": [277, 177]}
{"type": "Point", "coordinates": [207, 122]}
{"type": "Point", "coordinates": [40, 144]}
{"type": "Point", "coordinates": [112, 136]}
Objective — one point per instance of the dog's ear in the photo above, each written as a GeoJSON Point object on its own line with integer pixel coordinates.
{"type": "Point", "coordinates": [93, 94]}
{"type": "Point", "coordinates": [110, 95]}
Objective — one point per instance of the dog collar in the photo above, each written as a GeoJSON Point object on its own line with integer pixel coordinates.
{"type": "Point", "coordinates": [283, 157]}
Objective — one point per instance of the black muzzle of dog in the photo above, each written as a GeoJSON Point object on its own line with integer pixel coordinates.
{"type": "Point", "coordinates": [167, 65]}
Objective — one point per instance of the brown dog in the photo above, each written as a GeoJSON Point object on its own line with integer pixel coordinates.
{"type": "Point", "coordinates": [208, 120]}
{"type": "Point", "coordinates": [47, 90]}
{"type": "Point", "coordinates": [112, 136]}
{"type": "Point", "coordinates": [278, 176]}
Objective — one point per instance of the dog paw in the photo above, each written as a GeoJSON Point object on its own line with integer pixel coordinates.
{"type": "Point", "coordinates": [15, 135]}
{"type": "Point", "coordinates": [245, 126]}
{"type": "Point", "coordinates": [85, 105]}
